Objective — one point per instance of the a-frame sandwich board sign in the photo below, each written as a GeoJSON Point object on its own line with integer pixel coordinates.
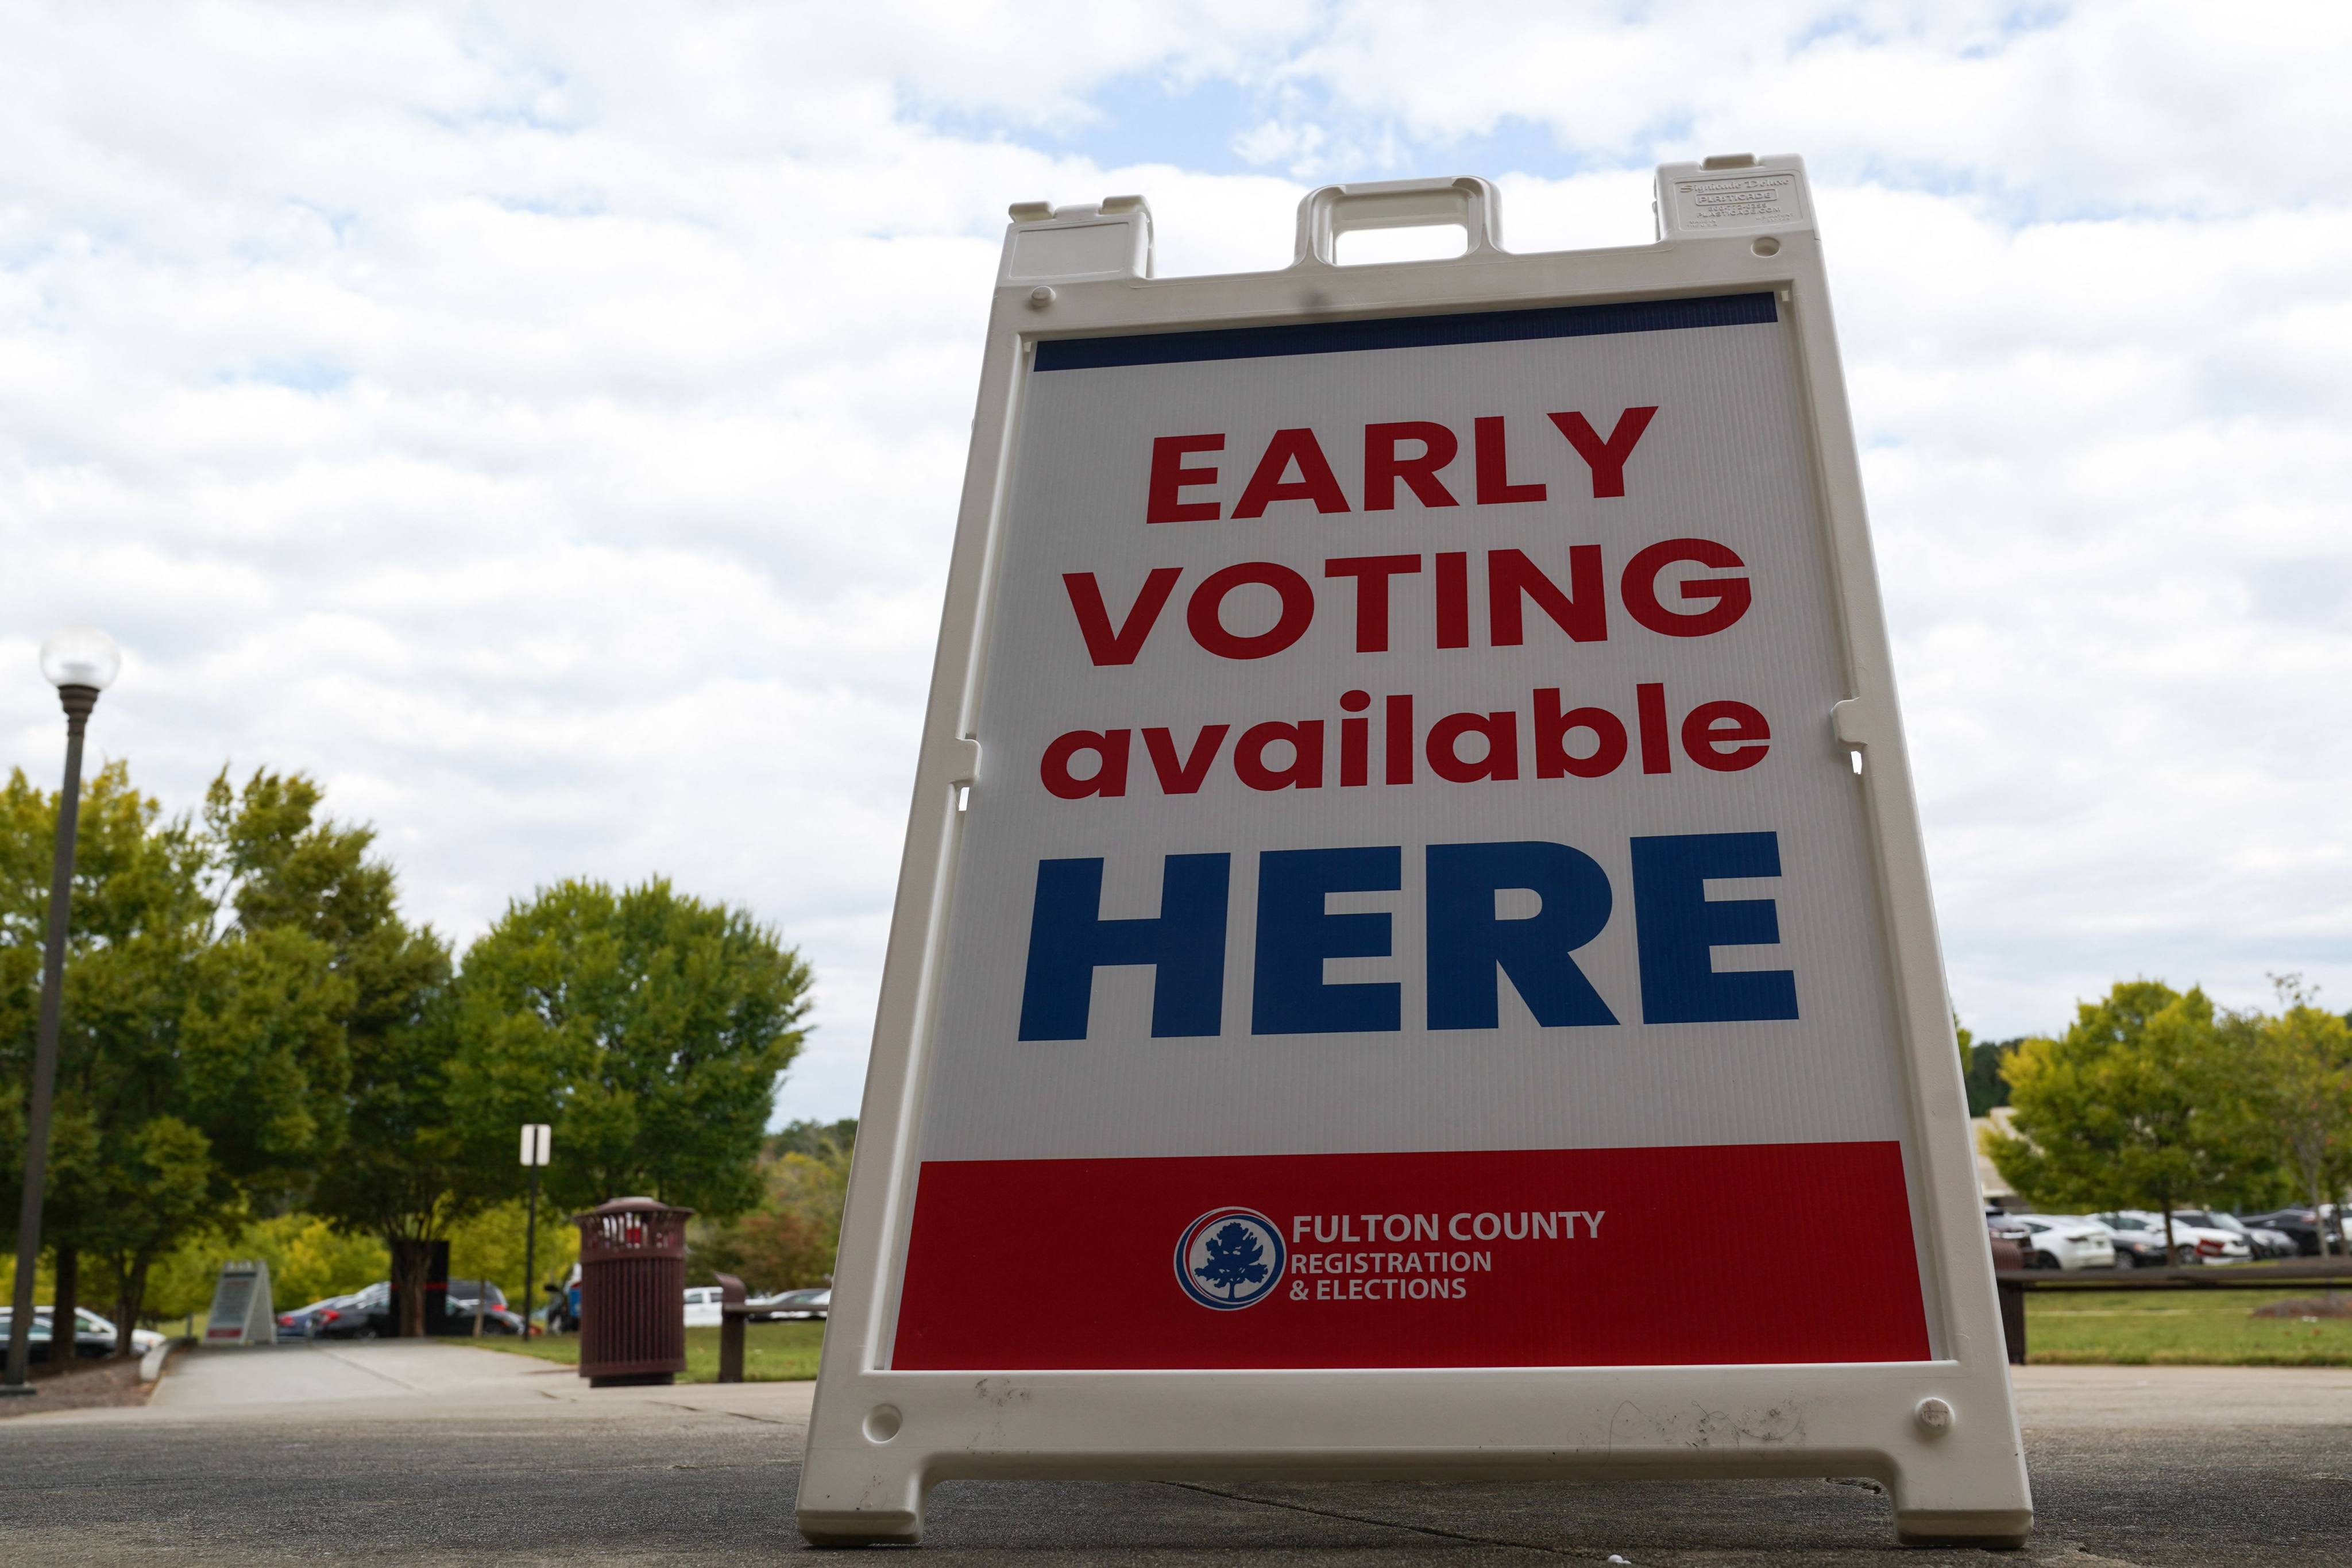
{"type": "Point", "coordinates": [1413, 880]}
{"type": "Point", "coordinates": [242, 1313]}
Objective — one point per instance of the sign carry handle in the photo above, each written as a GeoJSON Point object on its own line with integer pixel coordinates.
{"type": "Point", "coordinates": [1333, 210]}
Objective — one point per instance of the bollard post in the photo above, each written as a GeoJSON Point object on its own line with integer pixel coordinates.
{"type": "Point", "coordinates": [2008, 1256]}
{"type": "Point", "coordinates": [731, 1318]}
{"type": "Point", "coordinates": [2012, 1321]}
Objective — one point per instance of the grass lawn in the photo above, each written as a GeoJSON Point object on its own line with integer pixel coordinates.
{"type": "Point", "coordinates": [772, 1353]}
{"type": "Point", "coordinates": [2179, 1327]}
{"type": "Point", "coordinates": [2140, 1328]}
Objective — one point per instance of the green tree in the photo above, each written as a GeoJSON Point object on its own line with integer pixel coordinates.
{"type": "Point", "coordinates": [403, 1168]}
{"type": "Point", "coordinates": [222, 969]}
{"type": "Point", "coordinates": [130, 1170]}
{"type": "Point", "coordinates": [1987, 1070]}
{"type": "Point", "coordinates": [413, 1166]}
{"type": "Point", "coordinates": [2135, 1106]}
{"type": "Point", "coordinates": [648, 1027]}
{"type": "Point", "coordinates": [831, 1140]}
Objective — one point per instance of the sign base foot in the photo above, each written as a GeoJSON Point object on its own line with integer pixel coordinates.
{"type": "Point", "coordinates": [860, 1527]}
{"type": "Point", "coordinates": [1997, 1529]}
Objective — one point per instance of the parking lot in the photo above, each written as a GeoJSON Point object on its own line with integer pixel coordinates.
{"type": "Point", "coordinates": [424, 1452]}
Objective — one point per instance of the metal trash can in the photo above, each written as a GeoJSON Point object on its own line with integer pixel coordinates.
{"type": "Point", "coordinates": [632, 1293]}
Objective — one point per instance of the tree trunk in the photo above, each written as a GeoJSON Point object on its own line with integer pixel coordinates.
{"type": "Point", "coordinates": [411, 1261]}
{"type": "Point", "coordinates": [136, 1307]}
{"type": "Point", "coordinates": [133, 1302]}
{"type": "Point", "coordinates": [65, 1340]}
{"type": "Point", "coordinates": [2172, 1248]}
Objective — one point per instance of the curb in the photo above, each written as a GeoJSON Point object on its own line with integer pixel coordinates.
{"type": "Point", "coordinates": [151, 1364]}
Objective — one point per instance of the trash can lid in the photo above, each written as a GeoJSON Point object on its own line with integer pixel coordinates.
{"type": "Point", "coordinates": [627, 1228]}
{"type": "Point", "coordinates": [631, 1205]}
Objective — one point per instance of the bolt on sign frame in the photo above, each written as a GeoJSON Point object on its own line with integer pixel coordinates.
{"type": "Point", "coordinates": [1412, 894]}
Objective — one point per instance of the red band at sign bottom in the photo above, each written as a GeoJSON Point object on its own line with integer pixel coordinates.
{"type": "Point", "coordinates": [1718, 1255]}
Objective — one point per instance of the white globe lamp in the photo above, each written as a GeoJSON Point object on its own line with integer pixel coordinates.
{"type": "Point", "coordinates": [81, 656]}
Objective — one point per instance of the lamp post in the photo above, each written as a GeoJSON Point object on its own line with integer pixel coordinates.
{"type": "Point", "coordinates": [535, 1137]}
{"type": "Point", "coordinates": [80, 662]}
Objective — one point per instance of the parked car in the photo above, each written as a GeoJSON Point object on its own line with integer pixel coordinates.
{"type": "Point", "coordinates": [93, 1336]}
{"type": "Point", "coordinates": [561, 1313]}
{"type": "Point", "coordinates": [362, 1315]}
{"type": "Point", "coordinates": [40, 1349]}
{"type": "Point", "coordinates": [703, 1307]}
{"type": "Point", "coordinates": [496, 1313]}
{"type": "Point", "coordinates": [2002, 1226]}
{"type": "Point", "coordinates": [104, 1332]}
{"type": "Point", "coordinates": [495, 1320]}
{"type": "Point", "coordinates": [313, 1321]}
{"type": "Point", "coordinates": [2067, 1241]}
{"type": "Point", "coordinates": [2262, 1240]}
{"type": "Point", "coordinates": [367, 1314]}
{"type": "Point", "coordinates": [2137, 1245]}
{"type": "Point", "coordinates": [792, 1306]}
{"type": "Point", "coordinates": [2197, 1242]}
{"type": "Point", "coordinates": [2304, 1225]}
{"type": "Point", "coordinates": [370, 1315]}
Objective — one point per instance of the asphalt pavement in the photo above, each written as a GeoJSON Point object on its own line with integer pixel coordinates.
{"type": "Point", "coordinates": [443, 1454]}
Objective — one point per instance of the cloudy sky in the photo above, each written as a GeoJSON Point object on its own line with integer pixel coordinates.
{"type": "Point", "coordinates": [543, 424]}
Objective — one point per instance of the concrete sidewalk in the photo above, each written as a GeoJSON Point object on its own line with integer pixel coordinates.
{"type": "Point", "coordinates": [440, 1453]}
{"type": "Point", "coordinates": [395, 1381]}
{"type": "Point", "coordinates": [2184, 1399]}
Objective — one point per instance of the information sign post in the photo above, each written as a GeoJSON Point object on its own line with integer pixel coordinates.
{"type": "Point", "coordinates": [1413, 904]}
{"type": "Point", "coordinates": [536, 1136]}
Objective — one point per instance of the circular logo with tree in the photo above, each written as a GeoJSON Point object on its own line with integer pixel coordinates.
{"type": "Point", "coordinates": [1230, 1258]}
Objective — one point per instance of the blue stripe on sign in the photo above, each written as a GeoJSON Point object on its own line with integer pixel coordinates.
{"type": "Point", "coordinates": [1408, 331]}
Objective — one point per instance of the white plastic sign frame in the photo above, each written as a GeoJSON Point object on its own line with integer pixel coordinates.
{"type": "Point", "coordinates": [1936, 1424]}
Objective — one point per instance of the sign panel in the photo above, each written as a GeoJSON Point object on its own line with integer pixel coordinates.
{"type": "Point", "coordinates": [1438, 890]}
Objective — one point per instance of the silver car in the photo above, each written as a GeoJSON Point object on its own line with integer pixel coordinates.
{"type": "Point", "coordinates": [792, 1306]}
{"type": "Point", "coordinates": [2261, 1241]}
{"type": "Point", "coordinates": [2197, 1242]}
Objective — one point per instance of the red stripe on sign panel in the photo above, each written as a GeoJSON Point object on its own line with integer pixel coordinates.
{"type": "Point", "coordinates": [1512, 1257]}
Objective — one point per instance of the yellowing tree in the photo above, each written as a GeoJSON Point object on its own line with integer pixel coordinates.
{"type": "Point", "coordinates": [2304, 1093]}
{"type": "Point", "coordinates": [789, 1240]}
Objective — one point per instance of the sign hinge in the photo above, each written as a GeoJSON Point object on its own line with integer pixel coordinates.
{"type": "Point", "coordinates": [1858, 721]}
{"type": "Point", "coordinates": [961, 760]}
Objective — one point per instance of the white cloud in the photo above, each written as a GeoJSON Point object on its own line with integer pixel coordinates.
{"type": "Point", "coordinates": [2107, 107]}
{"type": "Point", "coordinates": [545, 423]}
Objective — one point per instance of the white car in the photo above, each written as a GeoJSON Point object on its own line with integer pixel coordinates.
{"type": "Point", "coordinates": [703, 1307]}
{"type": "Point", "coordinates": [93, 1335]}
{"type": "Point", "coordinates": [2067, 1241]}
{"type": "Point", "coordinates": [2198, 1243]}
